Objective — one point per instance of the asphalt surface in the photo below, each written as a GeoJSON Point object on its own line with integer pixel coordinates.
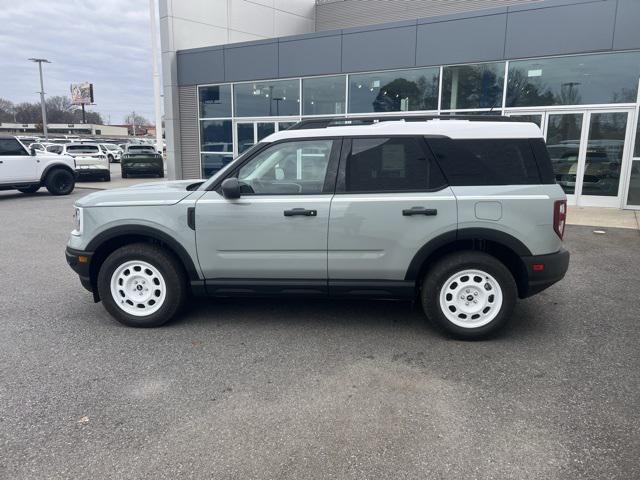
{"type": "Point", "coordinates": [313, 389]}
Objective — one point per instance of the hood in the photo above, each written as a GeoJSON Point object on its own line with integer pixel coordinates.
{"type": "Point", "coordinates": [156, 193]}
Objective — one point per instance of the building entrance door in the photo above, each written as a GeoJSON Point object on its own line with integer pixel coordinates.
{"type": "Point", "coordinates": [590, 152]}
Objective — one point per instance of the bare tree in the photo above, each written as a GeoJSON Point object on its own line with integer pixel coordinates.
{"type": "Point", "coordinates": [7, 110]}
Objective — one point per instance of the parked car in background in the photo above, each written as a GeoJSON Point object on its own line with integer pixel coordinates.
{"type": "Point", "coordinates": [141, 160]}
{"type": "Point", "coordinates": [90, 161]}
{"type": "Point", "coordinates": [39, 147]}
{"type": "Point", "coordinates": [23, 170]}
{"type": "Point", "coordinates": [113, 152]}
{"type": "Point", "coordinates": [55, 148]}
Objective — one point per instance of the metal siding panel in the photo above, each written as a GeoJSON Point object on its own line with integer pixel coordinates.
{"type": "Point", "coordinates": [469, 40]}
{"type": "Point", "coordinates": [559, 30]}
{"type": "Point", "coordinates": [200, 67]}
{"type": "Point", "coordinates": [627, 33]}
{"type": "Point", "coordinates": [379, 49]}
{"type": "Point", "coordinates": [251, 62]}
{"type": "Point", "coordinates": [188, 105]}
{"type": "Point", "coordinates": [352, 13]}
{"type": "Point", "coordinates": [315, 56]}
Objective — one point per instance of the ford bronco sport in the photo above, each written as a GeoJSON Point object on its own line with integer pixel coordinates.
{"type": "Point", "coordinates": [462, 214]}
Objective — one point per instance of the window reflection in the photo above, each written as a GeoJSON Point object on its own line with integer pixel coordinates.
{"type": "Point", "coordinates": [215, 101]}
{"type": "Point", "coordinates": [324, 95]}
{"type": "Point", "coordinates": [267, 99]}
{"type": "Point", "coordinates": [473, 86]}
{"type": "Point", "coordinates": [399, 91]}
{"type": "Point", "coordinates": [581, 80]}
{"type": "Point", "coordinates": [212, 162]}
{"type": "Point", "coordinates": [216, 136]}
{"type": "Point", "coordinates": [563, 143]}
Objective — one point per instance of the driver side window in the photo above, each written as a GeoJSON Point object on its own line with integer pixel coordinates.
{"type": "Point", "coordinates": [289, 168]}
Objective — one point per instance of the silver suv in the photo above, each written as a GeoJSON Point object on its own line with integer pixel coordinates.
{"type": "Point", "coordinates": [463, 214]}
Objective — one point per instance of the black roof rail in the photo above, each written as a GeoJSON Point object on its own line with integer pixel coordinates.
{"type": "Point", "coordinates": [368, 120]}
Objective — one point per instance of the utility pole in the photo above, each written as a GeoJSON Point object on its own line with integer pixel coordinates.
{"type": "Point", "coordinates": [40, 61]}
{"type": "Point", "coordinates": [133, 122]}
{"type": "Point", "coordinates": [156, 75]}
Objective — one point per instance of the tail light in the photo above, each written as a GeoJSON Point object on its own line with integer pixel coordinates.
{"type": "Point", "coordinates": [559, 217]}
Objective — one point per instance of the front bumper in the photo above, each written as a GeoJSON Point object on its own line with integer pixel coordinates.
{"type": "Point", "coordinates": [80, 262]}
{"type": "Point", "coordinates": [543, 271]}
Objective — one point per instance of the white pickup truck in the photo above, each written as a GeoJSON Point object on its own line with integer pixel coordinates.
{"type": "Point", "coordinates": [23, 170]}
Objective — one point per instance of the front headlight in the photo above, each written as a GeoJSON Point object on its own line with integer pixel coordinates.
{"type": "Point", "coordinates": [77, 221]}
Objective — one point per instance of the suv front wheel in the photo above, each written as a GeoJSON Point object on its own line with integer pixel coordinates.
{"type": "Point", "coordinates": [142, 285]}
{"type": "Point", "coordinates": [469, 294]}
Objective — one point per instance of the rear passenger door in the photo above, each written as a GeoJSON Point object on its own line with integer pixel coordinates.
{"type": "Point", "coordinates": [391, 199]}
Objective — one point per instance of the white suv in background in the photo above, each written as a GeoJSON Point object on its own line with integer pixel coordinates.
{"type": "Point", "coordinates": [90, 161]}
{"type": "Point", "coordinates": [23, 170]}
{"type": "Point", "coordinates": [113, 152]}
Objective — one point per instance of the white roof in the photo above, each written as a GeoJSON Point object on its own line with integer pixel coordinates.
{"type": "Point", "coordinates": [459, 129]}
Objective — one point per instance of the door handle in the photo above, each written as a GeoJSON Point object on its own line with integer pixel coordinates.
{"type": "Point", "coordinates": [300, 211]}
{"type": "Point", "coordinates": [430, 212]}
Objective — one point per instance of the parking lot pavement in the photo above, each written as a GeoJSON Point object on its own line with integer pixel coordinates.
{"type": "Point", "coordinates": [313, 389]}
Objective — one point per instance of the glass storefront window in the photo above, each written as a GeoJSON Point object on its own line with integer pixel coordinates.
{"type": "Point", "coordinates": [634, 184]}
{"type": "Point", "coordinates": [323, 95]}
{"type": "Point", "coordinates": [473, 86]}
{"type": "Point", "coordinates": [563, 143]}
{"type": "Point", "coordinates": [215, 101]}
{"type": "Point", "coordinates": [216, 136]}
{"type": "Point", "coordinates": [267, 99]}
{"type": "Point", "coordinates": [265, 129]}
{"type": "Point", "coordinates": [636, 151]}
{"type": "Point", "coordinates": [399, 91]}
{"type": "Point", "coordinates": [578, 80]}
{"type": "Point", "coordinates": [212, 162]}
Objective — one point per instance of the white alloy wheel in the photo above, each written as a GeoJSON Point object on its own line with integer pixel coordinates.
{"type": "Point", "coordinates": [470, 298]}
{"type": "Point", "coordinates": [138, 288]}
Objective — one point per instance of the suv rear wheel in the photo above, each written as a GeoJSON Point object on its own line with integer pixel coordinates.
{"type": "Point", "coordinates": [142, 285]}
{"type": "Point", "coordinates": [469, 294]}
{"type": "Point", "coordinates": [60, 181]}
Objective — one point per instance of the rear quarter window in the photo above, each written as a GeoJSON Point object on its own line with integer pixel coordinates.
{"type": "Point", "coordinates": [468, 162]}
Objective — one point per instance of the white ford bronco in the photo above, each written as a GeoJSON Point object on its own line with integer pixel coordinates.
{"type": "Point", "coordinates": [462, 214]}
{"type": "Point", "coordinates": [24, 170]}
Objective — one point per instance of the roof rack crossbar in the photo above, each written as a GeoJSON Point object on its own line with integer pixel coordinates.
{"type": "Point", "coordinates": [339, 121]}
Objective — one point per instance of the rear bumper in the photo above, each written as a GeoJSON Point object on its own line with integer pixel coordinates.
{"type": "Point", "coordinates": [80, 262]}
{"type": "Point", "coordinates": [543, 271]}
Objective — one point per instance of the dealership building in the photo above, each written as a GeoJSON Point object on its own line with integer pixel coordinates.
{"type": "Point", "coordinates": [235, 71]}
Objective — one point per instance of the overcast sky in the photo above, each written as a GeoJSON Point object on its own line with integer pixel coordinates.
{"type": "Point", "coordinates": [105, 42]}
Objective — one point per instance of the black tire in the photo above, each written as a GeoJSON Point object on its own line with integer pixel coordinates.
{"type": "Point", "coordinates": [60, 181]}
{"type": "Point", "coordinates": [30, 189]}
{"type": "Point", "coordinates": [165, 263]}
{"type": "Point", "coordinates": [125, 175]}
{"type": "Point", "coordinates": [444, 269]}
{"type": "Point", "coordinates": [107, 177]}
{"type": "Point", "coordinates": [110, 157]}
{"type": "Point", "coordinates": [161, 175]}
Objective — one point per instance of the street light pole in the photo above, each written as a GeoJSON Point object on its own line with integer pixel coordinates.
{"type": "Point", "coordinates": [40, 61]}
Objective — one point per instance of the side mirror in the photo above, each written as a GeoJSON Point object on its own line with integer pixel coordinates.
{"type": "Point", "coordinates": [32, 151]}
{"type": "Point", "coordinates": [231, 188]}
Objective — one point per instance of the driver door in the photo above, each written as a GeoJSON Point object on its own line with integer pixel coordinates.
{"type": "Point", "coordinates": [274, 237]}
{"type": "Point", "coordinates": [16, 163]}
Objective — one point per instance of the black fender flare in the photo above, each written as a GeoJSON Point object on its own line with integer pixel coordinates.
{"type": "Point", "coordinates": [63, 166]}
{"type": "Point", "coordinates": [150, 232]}
{"type": "Point", "coordinates": [496, 236]}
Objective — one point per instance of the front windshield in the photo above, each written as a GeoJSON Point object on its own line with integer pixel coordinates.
{"type": "Point", "coordinates": [230, 165]}
{"type": "Point", "coordinates": [108, 146]}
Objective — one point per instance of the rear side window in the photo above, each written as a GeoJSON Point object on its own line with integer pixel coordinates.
{"type": "Point", "coordinates": [395, 164]}
{"type": "Point", "coordinates": [486, 161]}
{"type": "Point", "coordinates": [544, 162]}
{"type": "Point", "coordinates": [10, 146]}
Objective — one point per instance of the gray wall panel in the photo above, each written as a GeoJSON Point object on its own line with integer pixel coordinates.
{"type": "Point", "coordinates": [379, 49]}
{"type": "Point", "coordinates": [252, 62]}
{"type": "Point", "coordinates": [460, 41]}
{"type": "Point", "coordinates": [315, 56]}
{"type": "Point", "coordinates": [627, 34]}
{"type": "Point", "coordinates": [189, 133]}
{"type": "Point", "coordinates": [558, 30]}
{"type": "Point", "coordinates": [200, 67]}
